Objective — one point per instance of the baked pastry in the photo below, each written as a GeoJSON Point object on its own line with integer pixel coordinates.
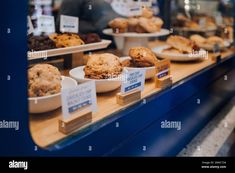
{"type": "Point", "coordinates": [126, 63]}
{"type": "Point", "coordinates": [142, 57]}
{"type": "Point", "coordinates": [147, 12]}
{"type": "Point", "coordinates": [198, 39]}
{"type": "Point", "coordinates": [43, 80]}
{"type": "Point", "coordinates": [39, 43]}
{"type": "Point", "coordinates": [182, 44]}
{"type": "Point", "coordinates": [119, 25]}
{"type": "Point", "coordinates": [151, 25]}
{"type": "Point", "coordinates": [133, 22]}
{"type": "Point", "coordinates": [103, 66]}
{"type": "Point", "coordinates": [90, 38]}
{"type": "Point", "coordinates": [146, 23]}
{"type": "Point", "coordinates": [66, 40]}
{"type": "Point", "coordinates": [215, 40]}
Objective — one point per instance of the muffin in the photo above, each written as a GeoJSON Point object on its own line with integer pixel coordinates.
{"type": "Point", "coordinates": [132, 24]}
{"type": "Point", "coordinates": [119, 25]}
{"type": "Point", "coordinates": [66, 40]}
{"type": "Point", "coordinates": [103, 66]}
{"type": "Point", "coordinates": [43, 80]}
{"type": "Point", "coordinates": [142, 57]}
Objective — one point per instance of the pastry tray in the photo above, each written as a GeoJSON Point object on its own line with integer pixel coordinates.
{"type": "Point", "coordinates": [68, 50]}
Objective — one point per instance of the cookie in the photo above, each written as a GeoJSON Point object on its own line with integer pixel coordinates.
{"type": "Point", "coordinates": [90, 38]}
{"type": "Point", "coordinates": [39, 43]}
{"type": "Point", "coordinates": [142, 57]}
{"type": "Point", "coordinates": [66, 40]}
{"type": "Point", "coordinates": [43, 80]}
{"type": "Point", "coordinates": [103, 66]}
{"type": "Point", "coordinates": [119, 25]}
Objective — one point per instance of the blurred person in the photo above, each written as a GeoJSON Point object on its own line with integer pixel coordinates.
{"type": "Point", "coordinates": [94, 15]}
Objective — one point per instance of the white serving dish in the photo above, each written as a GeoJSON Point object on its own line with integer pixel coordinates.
{"type": "Point", "coordinates": [102, 85]}
{"type": "Point", "coordinates": [49, 103]}
{"type": "Point", "coordinates": [68, 50]}
{"type": "Point", "coordinates": [179, 57]}
{"type": "Point", "coordinates": [127, 40]}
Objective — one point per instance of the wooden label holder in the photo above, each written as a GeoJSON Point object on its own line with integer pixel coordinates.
{"type": "Point", "coordinates": [124, 99]}
{"type": "Point", "coordinates": [75, 122]}
{"type": "Point", "coordinates": [165, 80]}
{"type": "Point", "coordinates": [216, 57]}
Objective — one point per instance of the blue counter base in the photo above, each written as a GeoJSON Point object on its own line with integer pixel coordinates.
{"type": "Point", "coordinates": [139, 131]}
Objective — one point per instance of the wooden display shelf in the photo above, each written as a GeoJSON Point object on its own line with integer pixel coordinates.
{"type": "Point", "coordinates": [68, 50]}
{"type": "Point", "coordinates": [44, 128]}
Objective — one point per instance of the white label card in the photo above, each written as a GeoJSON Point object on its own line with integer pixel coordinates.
{"type": "Point", "coordinates": [69, 24]}
{"type": "Point", "coordinates": [146, 3]}
{"type": "Point", "coordinates": [46, 24]}
{"type": "Point", "coordinates": [134, 80]}
{"type": "Point", "coordinates": [79, 99]}
{"type": "Point", "coordinates": [41, 2]}
{"type": "Point", "coordinates": [30, 26]}
{"type": "Point", "coordinates": [129, 7]}
{"type": "Point", "coordinates": [202, 22]}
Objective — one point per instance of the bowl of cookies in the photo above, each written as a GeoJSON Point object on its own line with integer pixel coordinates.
{"type": "Point", "coordinates": [105, 69]}
{"type": "Point", "coordinates": [141, 58]}
{"type": "Point", "coordinates": [44, 88]}
{"type": "Point", "coordinates": [181, 49]}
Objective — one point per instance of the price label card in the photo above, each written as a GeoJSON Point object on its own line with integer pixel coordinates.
{"type": "Point", "coordinates": [69, 24]}
{"type": "Point", "coordinates": [135, 11]}
{"type": "Point", "coordinates": [146, 3]}
{"type": "Point", "coordinates": [30, 26]}
{"type": "Point", "coordinates": [41, 2]}
{"type": "Point", "coordinates": [128, 8]}
{"type": "Point", "coordinates": [163, 69]}
{"type": "Point", "coordinates": [79, 99]}
{"type": "Point", "coordinates": [202, 22]}
{"type": "Point", "coordinates": [134, 80]}
{"type": "Point", "coordinates": [46, 24]}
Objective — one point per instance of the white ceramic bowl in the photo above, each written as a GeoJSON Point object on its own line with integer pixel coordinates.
{"type": "Point", "coordinates": [49, 103]}
{"type": "Point", "coordinates": [102, 85]}
{"type": "Point", "coordinates": [149, 71]}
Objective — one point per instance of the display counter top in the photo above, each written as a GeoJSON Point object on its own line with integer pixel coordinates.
{"type": "Point", "coordinates": [44, 127]}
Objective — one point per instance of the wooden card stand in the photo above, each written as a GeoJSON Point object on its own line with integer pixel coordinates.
{"type": "Point", "coordinates": [164, 82]}
{"type": "Point", "coordinates": [75, 122]}
{"type": "Point", "coordinates": [216, 57]}
{"type": "Point", "coordinates": [124, 99]}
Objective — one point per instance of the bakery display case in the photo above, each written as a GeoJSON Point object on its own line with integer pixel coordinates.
{"type": "Point", "coordinates": [119, 90]}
